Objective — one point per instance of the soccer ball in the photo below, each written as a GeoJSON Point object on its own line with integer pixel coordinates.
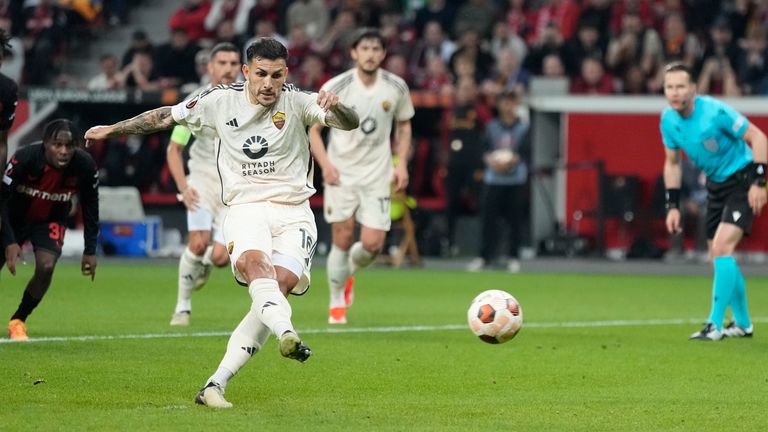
{"type": "Point", "coordinates": [495, 316]}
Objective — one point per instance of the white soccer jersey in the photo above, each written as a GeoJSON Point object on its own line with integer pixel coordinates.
{"type": "Point", "coordinates": [364, 155]}
{"type": "Point", "coordinates": [202, 154]}
{"type": "Point", "coordinates": [262, 153]}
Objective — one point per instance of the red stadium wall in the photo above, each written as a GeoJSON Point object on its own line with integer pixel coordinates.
{"type": "Point", "coordinates": [628, 144]}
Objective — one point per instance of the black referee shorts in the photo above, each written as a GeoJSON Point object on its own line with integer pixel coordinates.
{"type": "Point", "coordinates": [728, 202]}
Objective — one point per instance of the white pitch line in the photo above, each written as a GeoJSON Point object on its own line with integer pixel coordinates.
{"type": "Point", "coordinates": [386, 329]}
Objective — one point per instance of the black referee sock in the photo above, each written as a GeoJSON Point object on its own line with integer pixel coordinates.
{"type": "Point", "coordinates": [27, 305]}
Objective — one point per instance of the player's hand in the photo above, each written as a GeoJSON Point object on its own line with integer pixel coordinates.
{"type": "Point", "coordinates": [190, 198]}
{"type": "Point", "coordinates": [96, 133]}
{"type": "Point", "coordinates": [327, 100]}
{"type": "Point", "coordinates": [12, 253]}
{"type": "Point", "coordinates": [673, 221]}
{"type": "Point", "coordinates": [331, 175]}
{"type": "Point", "coordinates": [400, 177]}
{"type": "Point", "coordinates": [757, 198]}
{"type": "Point", "coordinates": [88, 267]}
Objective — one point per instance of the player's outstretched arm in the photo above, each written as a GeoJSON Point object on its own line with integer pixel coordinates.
{"type": "Point", "coordinates": [143, 124]}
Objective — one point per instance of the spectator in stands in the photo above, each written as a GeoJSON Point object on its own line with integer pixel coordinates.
{"type": "Point", "coordinates": [752, 68]}
{"type": "Point", "coordinates": [335, 43]}
{"type": "Point", "coordinates": [434, 10]}
{"type": "Point", "coordinates": [634, 82]}
{"type": "Point", "coordinates": [433, 44]}
{"type": "Point", "coordinates": [587, 43]}
{"type": "Point", "coordinates": [550, 41]}
{"type": "Point", "coordinates": [676, 43]}
{"type": "Point", "coordinates": [191, 17]}
{"type": "Point", "coordinates": [629, 47]}
{"type": "Point", "coordinates": [466, 126]}
{"type": "Point", "coordinates": [110, 77]}
{"type": "Point", "coordinates": [202, 58]}
{"type": "Point", "coordinates": [508, 76]}
{"type": "Point", "coordinates": [175, 60]}
{"type": "Point", "coordinates": [518, 16]}
{"type": "Point", "coordinates": [471, 48]}
{"type": "Point", "coordinates": [116, 11]}
{"type": "Point", "coordinates": [44, 32]}
{"type": "Point", "coordinates": [139, 42]}
{"type": "Point", "coordinates": [641, 8]}
{"type": "Point", "coordinates": [13, 54]}
{"type": "Point", "coordinates": [718, 78]}
{"type": "Point", "coordinates": [598, 14]}
{"type": "Point", "coordinates": [476, 16]}
{"type": "Point", "coordinates": [504, 38]}
{"type": "Point", "coordinates": [506, 174]}
{"type": "Point", "coordinates": [225, 33]}
{"type": "Point", "coordinates": [298, 47]}
{"type": "Point", "coordinates": [435, 78]}
{"type": "Point", "coordinates": [312, 15]}
{"type": "Point", "coordinates": [398, 65]}
{"type": "Point", "coordinates": [264, 10]}
{"type": "Point", "coordinates": [140, 73]}
{"type": "Point", "coordinates": [720, 43]}
{"type": "Point", "coordinates": [593, 79]}
{"type": "Point", "coordinates": [312, 74]}
{"type": "Point", "coordinates": [562, 14]}
{"type": "Point", "coordinates": [234, 11]}
{"type": "Point", "coordinates": [552, 66]}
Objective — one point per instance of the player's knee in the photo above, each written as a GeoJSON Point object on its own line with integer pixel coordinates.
{"type": "Point", "coordinates": [254, 265]}
{"type": "Point", "coordinates": [719, 250]}
{"type": "Point", "coordinates": [373, 245]}
{"type": "Point", "coordinates": [45, 268]}
{"type": "Point", "coordinates": [219, 258]}
{"type": "Point", "coordinates": [197, 246]}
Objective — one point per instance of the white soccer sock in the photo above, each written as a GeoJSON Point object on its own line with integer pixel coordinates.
{"type": "Point", "coordinates": [246, 340]}
{"type": "Point", "coordinates": [270, 305]}
{"type": "Point", "coordinates": [359, 257]}
{"type": "Point", "coordinates": [338, 272]}
{"type": "Point", "coordinates": [206, 260]}
{"type": "Point", "coordinates": [189, 265]}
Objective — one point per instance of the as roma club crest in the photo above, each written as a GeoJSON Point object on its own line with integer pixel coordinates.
{"type": "Point", "coordinates": [230, 247]}
{"type": "Point", "coordinates": [386, 105]}
{"type": "Point", "coordinates": [279, 119]}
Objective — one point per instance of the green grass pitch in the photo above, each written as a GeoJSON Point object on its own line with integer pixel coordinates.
{"type": "Point", "coordinates": [597, 352]}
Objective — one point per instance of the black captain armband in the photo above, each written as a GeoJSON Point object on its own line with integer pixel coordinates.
{"type": "Point", "coordinates": [758, 174]}
{"type": "Point", "coordinates": [672, 199]}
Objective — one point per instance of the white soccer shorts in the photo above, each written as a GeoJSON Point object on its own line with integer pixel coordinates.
{"type": "Point", "coordinates": [369, 204]}
{"type": "Point", "coordinates": [287, 232]}
{"type": "Point", "coordinates": [209, 214]}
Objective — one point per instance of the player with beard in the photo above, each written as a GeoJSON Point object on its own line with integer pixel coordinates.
{"type": "Point", "coordinates": [263, 159]}
{"type": "Point", "coordinates": [201, 191]}
{"type": "Point", "coordinates": [357, 167]}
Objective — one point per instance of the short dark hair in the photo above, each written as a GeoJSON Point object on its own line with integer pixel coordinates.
{"type": "Point", "coordinates": [55, 126]}
{"type": "Point", "coordinates": [679, 67]}
{"type": "Point", "coordinates": [367, 33]}
{"type": "Point", "coordinates": [224, 47]}
{"type": "Point", "coordinates": [267, 48]}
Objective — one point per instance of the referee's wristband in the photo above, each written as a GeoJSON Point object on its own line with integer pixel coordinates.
{"type": "Point", "coordinates": [672, 198]}
{"type": "Point", "coordinates": [758, 174]}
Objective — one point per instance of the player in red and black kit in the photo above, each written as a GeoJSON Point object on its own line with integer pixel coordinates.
{"type": "Point", "coordinates": [38, 186]}
{"type": "Point", "coordinates": [9, 97]}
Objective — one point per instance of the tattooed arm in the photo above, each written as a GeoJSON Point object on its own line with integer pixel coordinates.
{"type": "Point", "coordinates": [143, 124]}
{"type": "Point", "coordinates": [342, 117]}
{"type": "Point", "coordinates": [337, 115]}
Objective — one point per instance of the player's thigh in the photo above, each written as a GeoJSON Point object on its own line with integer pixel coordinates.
{"type": "Point", "coordinates": [737, 210]}
{"type": "Point", "coordinates": [339, 203]}
{"type": "Point", "coordinates": [247, 227]}
{"type": "Point", "coordinates": [199, 219]}
{"type": "Point", "coordinates": [48, 237]}
{"type": "Point", "coordinates": [294, 242]}
{"type": "Point", "coordinates": [374, 211]}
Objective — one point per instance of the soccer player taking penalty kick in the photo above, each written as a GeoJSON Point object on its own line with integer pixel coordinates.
{"type": "Point", "coordinates": [357, 167]}
{"type": "Point", "coordinates": [265, 166]}
{"type": "Point", "coordinates": [732, 152]}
